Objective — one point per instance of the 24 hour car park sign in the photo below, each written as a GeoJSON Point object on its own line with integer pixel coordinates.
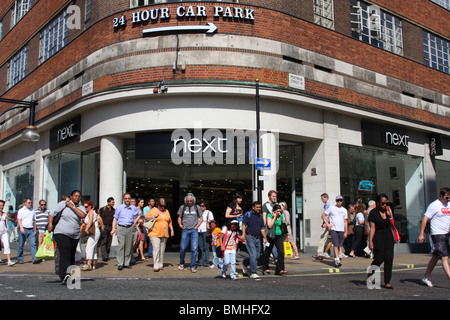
{"type": "Point", "coordinates": [165, 13]}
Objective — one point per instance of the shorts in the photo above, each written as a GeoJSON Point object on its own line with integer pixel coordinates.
{"type": "Point", "coordinates": [337, 238]}
{"type": "Point", "coordinates": [440, 242]}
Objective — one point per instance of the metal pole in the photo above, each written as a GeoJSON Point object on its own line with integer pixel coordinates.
{"type": "Point", "coordinates": [258, 127]}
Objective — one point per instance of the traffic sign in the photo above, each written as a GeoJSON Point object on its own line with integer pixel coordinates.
{"type": "Point", "coordinates": [263, 164]}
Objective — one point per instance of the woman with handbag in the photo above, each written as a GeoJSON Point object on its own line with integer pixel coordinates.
{"type": "Point", "coordinates": [92, 232]}
{"type": "Point", "coordinates": [159, 234]}
{"type": "Point", "coordinates": [381, 237]}
{"type": "Point", "coordinates": [275, 236]}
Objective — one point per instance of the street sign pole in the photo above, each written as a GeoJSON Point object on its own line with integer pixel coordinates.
{"type": "Point", "coordinates": [258, 182]}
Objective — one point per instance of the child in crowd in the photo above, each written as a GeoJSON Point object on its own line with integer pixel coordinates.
{"type": "Point", "coordinates": [139, 244]}
{"type": "Point", "coordinates": [215, 245]}
{"type": "Point", "coordinates": [229, 239]}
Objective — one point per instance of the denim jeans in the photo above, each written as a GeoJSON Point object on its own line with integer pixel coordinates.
{"type": "Point", "coordinates": [31, 237]}
{"type": "Point", "coordinates": [229, 258]}
{"type": "Point", "coordinates": [254, 249]}
{"type": "Point", "coordinates": [217, 256]}
{"type": "Point", "coordinates": [186, 236]}
{"type": "Point", "coordinates": [203, 245]}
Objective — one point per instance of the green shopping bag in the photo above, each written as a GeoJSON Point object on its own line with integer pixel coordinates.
{"type": "Point", "coordinates": [46, 249]}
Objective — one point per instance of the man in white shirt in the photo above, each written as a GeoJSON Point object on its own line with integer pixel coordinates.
{"type": "Point", "coordinates": [27, 227]}
{"type": "Point", "coordinates": [438, 214]}
{"type": "Point", "coordinates": [335, 219]}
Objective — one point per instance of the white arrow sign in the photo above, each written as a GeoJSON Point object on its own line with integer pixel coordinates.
{"type": "Point", "coordinates": [210, 28]}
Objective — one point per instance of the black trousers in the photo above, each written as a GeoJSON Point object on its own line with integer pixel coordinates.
{"type": "Point", "coordinates": [278, 243]}
{"type": "Point", "coordinates": [359, 232]}
{"type": "Point", "coordinates": [67, 248]}
{"type": "Point", "coordinates": [383, 252]}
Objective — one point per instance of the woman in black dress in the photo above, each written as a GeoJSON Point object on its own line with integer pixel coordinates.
{"type": "Point", "coordinates": [381, 237]}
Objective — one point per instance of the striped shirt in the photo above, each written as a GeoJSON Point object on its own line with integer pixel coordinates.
{"type": "Point", "coordinates": [41, 219]}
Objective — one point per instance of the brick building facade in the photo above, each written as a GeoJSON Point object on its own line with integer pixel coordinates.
{"type": "Point", "coordinates": [327, 70]}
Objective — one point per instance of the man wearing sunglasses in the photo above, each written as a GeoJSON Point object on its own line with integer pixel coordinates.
{"type": "Point", "coordinates": [335, 218]}
{"type": "Point", "coordinates": [438, 214]}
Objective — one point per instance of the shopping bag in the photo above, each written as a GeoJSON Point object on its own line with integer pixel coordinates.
{"type": "Point", "coordinates": [46, 249]}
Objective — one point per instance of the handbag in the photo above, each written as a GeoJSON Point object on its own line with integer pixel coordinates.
{"type": "Point", "coordinates": [271, 232]}
{"type": "Point", "coordinates": [394, 231]}
{"type": "Point", "coordinates": [90, 231]}
{"type": "Point", "coordinates": [46, 249]}
{"type": "Point", "coordinates": [284, 229]}
{"type": "Point", "coordinates": [149, 224]}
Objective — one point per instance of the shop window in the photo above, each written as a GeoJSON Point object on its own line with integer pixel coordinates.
{"type": "Point", "coordinates": [61, 176]}
{"type": "Point", "coordinates": [364, 174]}
{"type": "Point", "coordinates": [18, 185]}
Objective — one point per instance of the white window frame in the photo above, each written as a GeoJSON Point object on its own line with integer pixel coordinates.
{"type": "Point", "coordinates": [53, 37]}
{"type": "Point", "coordinates": [377, 27]}
{"type": "Point", "coordinates": [324, 13]}
{"type": "Point", "coordinates": [436, 52]}
{"type": "Point", "coordinates": [17, 67]}
{"type": "Point", "coordinates": [21, 7]}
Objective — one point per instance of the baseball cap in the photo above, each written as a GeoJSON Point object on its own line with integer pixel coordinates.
{"type": "Point", "coordinates": [339, 198]}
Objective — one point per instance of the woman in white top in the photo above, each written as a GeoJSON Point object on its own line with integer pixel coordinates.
{"type": "Point", "coordinates": [204, 237]}
{"type": "Point", "coordinates": [4, 234]}
{"type": "Point", "coordinates": [91, 244]}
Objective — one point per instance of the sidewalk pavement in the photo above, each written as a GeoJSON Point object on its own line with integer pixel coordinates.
{"type": "Point", "coordinates": [144, 269]}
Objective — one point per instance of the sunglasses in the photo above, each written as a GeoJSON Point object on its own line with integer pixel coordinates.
{"type": "Point", "coordinates": [339, 200]}
{"type": "Point", "coordinates": [384, 203]}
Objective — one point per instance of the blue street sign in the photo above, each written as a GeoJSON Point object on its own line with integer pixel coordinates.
{"type": "Point", "coordinates": [252, 149]}
{"type": "Point", "coordinates": [263, 164]}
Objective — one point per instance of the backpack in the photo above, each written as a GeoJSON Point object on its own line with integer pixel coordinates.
{"type": "Point", "coordinates": [196, 210]}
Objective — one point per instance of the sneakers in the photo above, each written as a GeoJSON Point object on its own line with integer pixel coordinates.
{"type": "Point", "coordinates": [10, 263]}
{"type": "Point", "coordinates": [427, 282]}
{"type": "Point", "coordinates": [337, 263]}
{"type": "Point", "coordinates": [254, 276]}
{"type": "Point", "coordinates": [326, 255]}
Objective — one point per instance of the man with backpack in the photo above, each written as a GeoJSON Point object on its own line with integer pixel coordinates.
{"type": "Point", "coordinates": [189, 219]}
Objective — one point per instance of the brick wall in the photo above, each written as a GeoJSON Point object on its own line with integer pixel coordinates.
{"type": "Point", "coordinates": [269, 24]}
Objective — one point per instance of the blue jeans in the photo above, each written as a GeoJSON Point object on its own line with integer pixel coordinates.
{"type": "Point", "coordinates": [31, 237]}
{"type": "Point", "coordinates": [229, 259]}
{"type": "Point", "coordinates": [254, 250]}
{"type": "Point", "coordinates": [203, 245]}
{"type": "Point", "coordinates": [186, 236]}
{"type": "Point", "coordinates": [217, 259]}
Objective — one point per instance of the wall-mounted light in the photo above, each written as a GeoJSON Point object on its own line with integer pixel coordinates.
{"type": "Point", "coordinates": [30, 134]}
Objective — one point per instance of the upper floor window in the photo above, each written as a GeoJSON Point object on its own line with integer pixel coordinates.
{"type": "Point", "coordinates": [443, 3]}
{"type": "Point", "coordinates": [17, 67]}
{"type": "Point", "coordinates": [140, 3]}
{"type": "Point", "coordinates": [436, 52]}
{"type": "Point", "coordinates": [372, 25]}
{"type": "Point", "coordinates": [21, 7]}
{"type": "Point", "coordinates": [54, 37]}
{"type": "Point", "coordinates": [324, 13]}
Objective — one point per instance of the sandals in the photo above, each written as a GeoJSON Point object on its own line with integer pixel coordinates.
{"type": "Point", "coordinates": [86, 267]}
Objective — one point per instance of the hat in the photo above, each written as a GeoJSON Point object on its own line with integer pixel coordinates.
{"type": "Point", "coordinates": [234, 221]}
{"type": "Point", "coordinates": [339, 198]}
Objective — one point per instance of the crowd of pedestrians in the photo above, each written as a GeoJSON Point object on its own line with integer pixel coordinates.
{"type": "Point", "coordinates": [353, 230]}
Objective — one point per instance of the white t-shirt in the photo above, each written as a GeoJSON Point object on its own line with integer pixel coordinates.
{"type": "Point", "coordinates": [337, 216]}
{"type": "Point", "coordinates": [27, 216]}
{"type": "Point", "coordinates": [207, 216]}
{"type": "Point", "coordinates": [440, 217]}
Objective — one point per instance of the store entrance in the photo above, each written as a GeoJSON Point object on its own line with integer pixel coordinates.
{"type": "Point", "coordinates": [214, 184]}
